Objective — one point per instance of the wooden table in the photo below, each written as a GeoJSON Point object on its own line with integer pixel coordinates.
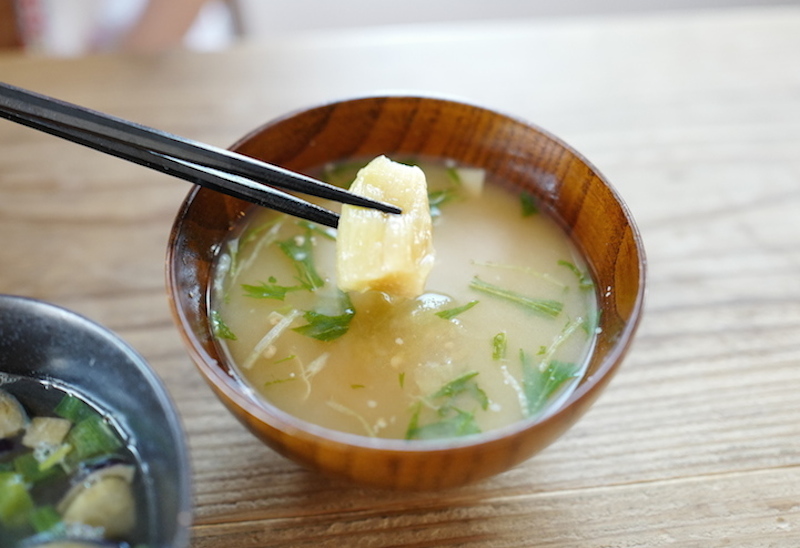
{"type": "Point", "coordinates": [695, 117]}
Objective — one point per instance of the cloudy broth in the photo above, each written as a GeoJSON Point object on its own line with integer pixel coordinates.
{"type": "Point", "coordinates": [502, 333]}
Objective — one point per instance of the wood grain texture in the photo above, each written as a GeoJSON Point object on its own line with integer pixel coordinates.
{"type": "Point", "coordinates": [694, 118]}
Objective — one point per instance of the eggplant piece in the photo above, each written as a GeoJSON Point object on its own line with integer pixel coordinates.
{"type": "Point", "coordinates": [13, 418]}
{"type": "Point", "coordinates": [103, 498]}
{"type": "Point", "coordinates": [6, 445]}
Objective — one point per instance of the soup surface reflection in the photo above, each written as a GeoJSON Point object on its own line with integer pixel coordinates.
{"type": "Point", "coordinates": [502, 333]}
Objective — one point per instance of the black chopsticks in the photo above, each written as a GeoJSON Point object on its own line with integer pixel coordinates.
{"type": "Point", "coordinates": [205, 165]}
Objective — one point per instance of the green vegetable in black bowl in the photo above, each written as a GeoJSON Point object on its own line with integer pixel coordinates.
{"type": "Point", "coordinates": [91, 448]}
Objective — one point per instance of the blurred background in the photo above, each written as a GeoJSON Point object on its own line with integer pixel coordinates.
{"type": "Point", "coordinates": [77, 27]}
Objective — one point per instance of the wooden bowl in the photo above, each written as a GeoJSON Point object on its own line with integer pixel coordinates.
{"type": "Point", "coordinates": [520, 156]}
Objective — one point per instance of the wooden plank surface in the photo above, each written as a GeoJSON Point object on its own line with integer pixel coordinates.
{"type": "Point", "coordinates": [696, 120]}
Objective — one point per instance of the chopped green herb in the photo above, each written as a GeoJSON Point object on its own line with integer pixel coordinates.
{"type": "Point", "coordinates": [541, 385]}
{"type": "Point", "coordinates": [545, 307]}
{"type": "Point", "coordinates": [529, 206]}
{"type": "Point", "coordinates": [220, 328]}
{"type": "Point", "coordinates": [413, 424]}
{"type": "Point", "coordinates": [560, 339]}
{"type": "Point", "coordinates": [269, 290]}
{"type": "Point", "coordinates": [452, 420]}
{"type": "Point", "coordinates": [235, 246]}
{"type": "Point", "coordinates": [326, 327]}
{"type": "Point", "coordinates": [286, 359]}
{"type": "Point", "coordinates": [454, 175]}
{"type": "Point", "coordinates": [592, 322]}
{"type": "Point", "coordinates": [499, 345]}
{"type": "Point", "coordinates": [300, 249]}
{"type": "Point", "coordinates": [541, 380]}
{"type": "Point", "coordinates": [465, 384]}
{"type": "Point", "coordinates": [324, 231]}
{"type": "Point", "coordinates": [402, 379]}
{"type": "Point", "coordinates": [456, 423]}
{"type": "Point", "coordinates": [356, 386]}
{"type": "Point", "coordinates": [438, 198]}
{"type": "Point", "coordinates": [584, 280]}
{"type": "Point", "coordinates": [451, 313]}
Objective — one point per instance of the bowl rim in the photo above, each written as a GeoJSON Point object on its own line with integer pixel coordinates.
{"type": "Point", "coordinates": [244, 396]}
{"type": "Point", "coordinates": [9, 304]}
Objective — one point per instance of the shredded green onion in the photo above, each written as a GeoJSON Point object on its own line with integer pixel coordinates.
{"type": "Point", "coordinates": [92, 437]}
{"type": "Point", "coordinates": [16, 503]}
{"type": "Point", "coordinates": [44, 518]}
{"type": "Point", "coordinates": [73, 409]}
{"type": "Point", "coordinates": [28, 467]}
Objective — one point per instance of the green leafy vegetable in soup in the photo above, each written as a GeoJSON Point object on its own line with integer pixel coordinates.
{"type": "Point", "coordinates": [66, 475]}
{"type": "Point", "coordinates": [497, 331]}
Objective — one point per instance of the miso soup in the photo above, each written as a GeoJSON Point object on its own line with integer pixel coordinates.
{"type": "Point", "coordinates": [503, 331]}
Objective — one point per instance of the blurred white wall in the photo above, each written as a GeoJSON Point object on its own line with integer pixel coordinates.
{"type": "Point", "coordinates": [265, 16]}
{"type": "Point", "coordinates": [75, 27]}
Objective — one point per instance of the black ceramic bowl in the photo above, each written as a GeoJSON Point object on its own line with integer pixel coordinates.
{"type": "Point", "coordinates": [42, 341]}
